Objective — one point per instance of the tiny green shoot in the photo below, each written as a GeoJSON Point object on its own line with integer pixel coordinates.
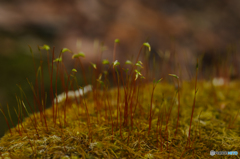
{"type": "Point", "coordinates": [59, 59]}
{"type": "Point", "coordinates": [116, 63]}
{"type": "Point", "coordinates": [94, 65]}
{"type": "Point", "coordinates": [45, 47]}
{"type": "Point", "coordinates": [128, 62]}
{"type": "Point", "coordinates": [105, 62]}
{"type": "Point", "coordinates": [80, 54]}
{"type": "Point", "coordinates": [147, 45]}
{"type": "Point", "coordinates": [65, 50]}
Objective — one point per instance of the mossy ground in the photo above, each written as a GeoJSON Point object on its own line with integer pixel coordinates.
{"type": "Point", "coordinates": [215, 126]}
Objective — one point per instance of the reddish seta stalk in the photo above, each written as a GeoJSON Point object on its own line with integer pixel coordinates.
{"type": "Point", "coordinates": [150, 114]}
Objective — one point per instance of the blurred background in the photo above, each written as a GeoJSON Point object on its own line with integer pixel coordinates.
{"type": "Point", "coordinates": [179, 32]}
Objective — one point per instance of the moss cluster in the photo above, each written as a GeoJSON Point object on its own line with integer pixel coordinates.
{"type": "Point", "coordinates": [102, 133]}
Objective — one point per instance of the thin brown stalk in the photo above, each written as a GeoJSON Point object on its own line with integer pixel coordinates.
{"type": "Point", "coordinates": [150, 114]}
{"type": "Point", "coordinates": [178, 109]}
{"type": "Point", "coordinates": [1, 109]}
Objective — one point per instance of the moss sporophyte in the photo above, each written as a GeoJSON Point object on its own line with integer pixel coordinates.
{"type": "Point", "coordinates": [128, 115]}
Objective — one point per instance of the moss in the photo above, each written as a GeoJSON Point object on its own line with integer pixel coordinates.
{"type": "Point", "coordinates": [135, 119]}
{"type": "Point", "coordinates": [214, 126]}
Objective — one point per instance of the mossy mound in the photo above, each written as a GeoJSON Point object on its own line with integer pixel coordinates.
{"type": "Point", "coordinates": [215, 125]}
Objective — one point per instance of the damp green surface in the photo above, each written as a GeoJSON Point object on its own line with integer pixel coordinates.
{"type": "Point", "coordinates": [215, 125]}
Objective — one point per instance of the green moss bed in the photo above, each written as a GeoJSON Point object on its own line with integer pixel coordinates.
{"type": "Point", "coordinates": [103, 131]}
